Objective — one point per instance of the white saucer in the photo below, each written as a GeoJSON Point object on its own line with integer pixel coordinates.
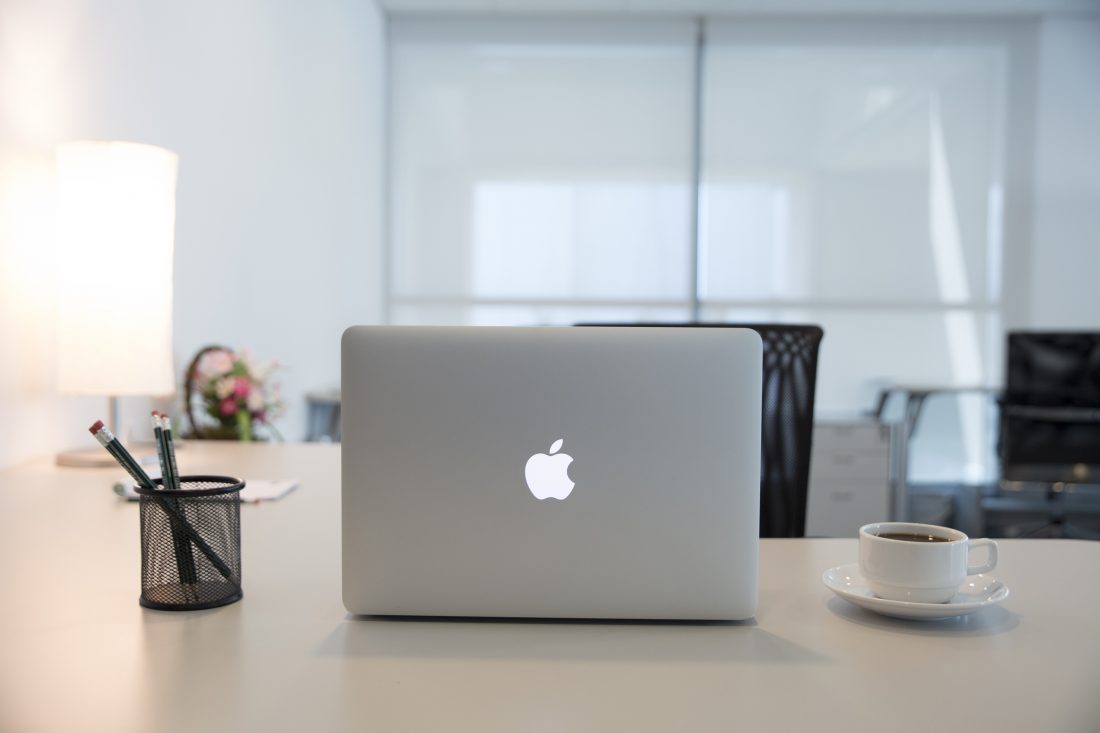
{"type": "Point", "coordinates": [975, 594]}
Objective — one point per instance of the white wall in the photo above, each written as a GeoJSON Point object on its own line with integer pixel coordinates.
{"type": "Point", "coordinates": [276, 110]}
{"type": "Point", "coordinates": [1065, 252]}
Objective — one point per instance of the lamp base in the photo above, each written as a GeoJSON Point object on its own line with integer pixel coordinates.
{"type": "Point", "coordinates": [145, 453]}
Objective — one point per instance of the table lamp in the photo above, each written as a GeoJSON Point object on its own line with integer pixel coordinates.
{"type": "Point", "coordinates": [116, 210]}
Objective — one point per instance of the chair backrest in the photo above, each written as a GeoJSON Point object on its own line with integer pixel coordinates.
{"type": "Point", "coordinates": [1050, 411]}
{"type": "Point", "coordinates": [790, 378]}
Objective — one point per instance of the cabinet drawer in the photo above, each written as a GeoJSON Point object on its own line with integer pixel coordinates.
{"type": "Point", "coordinates": [849, 464]}
{"type": "Point", "coordinates": [839, 509]}
{"type": "Point", "coordinates": [851, 439]}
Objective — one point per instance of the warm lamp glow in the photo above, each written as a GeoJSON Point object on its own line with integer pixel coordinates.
{"type": "Point", "coordinates": [116, 219]}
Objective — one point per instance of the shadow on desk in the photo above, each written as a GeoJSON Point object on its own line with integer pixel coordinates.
{"type": "Point", "coordinates": [986, 622]}
{"type": "Point", "coordinates": [556, 640]}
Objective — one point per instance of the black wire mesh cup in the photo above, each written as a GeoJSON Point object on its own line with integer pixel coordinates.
{"type": "Point", "coordinates": [191, 544]}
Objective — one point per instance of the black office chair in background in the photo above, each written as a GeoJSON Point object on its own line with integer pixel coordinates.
{"type": "Point", "coordinates": [1049, 435]}
{"type": "Point", "coordinates": [790, 378]}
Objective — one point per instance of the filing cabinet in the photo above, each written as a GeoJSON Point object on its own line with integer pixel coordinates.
{"type": "Point", "coordinates": [849, 477]}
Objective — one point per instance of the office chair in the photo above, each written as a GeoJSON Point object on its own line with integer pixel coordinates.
{"type": "Point", "coordinates": [790, 378]}
{"type": "Point", "coordinates": [323, 416]}
{"type": "Point", "coordinates": [1049, 431]}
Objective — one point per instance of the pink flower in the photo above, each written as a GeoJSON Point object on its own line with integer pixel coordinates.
{"type": "Point", "coordinates": [242, 387]}
{"type": "Point", "coordinates": [228, 406]}
{"type": "Point", "coordinates": [224, 387]}
{"type": "Point", "coordinates": [255, 401]}
{"type": "Point", "coordinates": [215, 363]}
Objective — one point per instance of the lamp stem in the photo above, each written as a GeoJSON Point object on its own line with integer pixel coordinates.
{"type": "Point", "coordinates": [112, 414]}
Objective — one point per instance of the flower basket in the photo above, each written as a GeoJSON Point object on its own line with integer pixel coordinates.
{"type": "Point", "coordinates": [227, 398]}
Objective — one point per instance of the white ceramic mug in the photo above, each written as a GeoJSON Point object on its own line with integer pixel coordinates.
{"type": "Point", "coordinates": [918, 571]}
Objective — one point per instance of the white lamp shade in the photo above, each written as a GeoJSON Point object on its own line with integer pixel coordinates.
{"type": "Point", "coordinates": [116, 212]}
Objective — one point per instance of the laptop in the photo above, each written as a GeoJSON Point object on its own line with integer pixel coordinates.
{"type": "Point", "coordinates": [608, 473]}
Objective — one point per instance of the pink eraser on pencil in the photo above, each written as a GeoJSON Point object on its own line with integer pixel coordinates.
{"type": "Point", "coordinates": [96, 427]}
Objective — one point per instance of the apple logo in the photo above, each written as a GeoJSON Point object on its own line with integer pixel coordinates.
{"type": "Point", "coordinates": [548, 473]}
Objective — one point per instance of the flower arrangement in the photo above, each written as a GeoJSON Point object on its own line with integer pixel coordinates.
{"type": "Point", "coordinates": [237, 396]}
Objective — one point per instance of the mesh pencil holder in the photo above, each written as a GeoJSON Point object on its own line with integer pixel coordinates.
{"type": "Point", "coordinates": [191, 544]}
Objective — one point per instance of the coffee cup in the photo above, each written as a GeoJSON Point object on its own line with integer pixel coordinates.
{"type": "Point", "coordinates": [921, 563]}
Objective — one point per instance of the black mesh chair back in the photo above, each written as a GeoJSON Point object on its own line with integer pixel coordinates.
{"type": "Point", "coordinates": [790, 378]}
{"type": "Point", "coordinates": [1050, 410]}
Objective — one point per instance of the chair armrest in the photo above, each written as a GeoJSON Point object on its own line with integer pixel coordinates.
{"type": "Point", "coordinates": [1053, 414]}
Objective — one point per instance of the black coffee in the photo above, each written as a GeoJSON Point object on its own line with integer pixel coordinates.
{"type": "Point", "coordinates": [911, 537]}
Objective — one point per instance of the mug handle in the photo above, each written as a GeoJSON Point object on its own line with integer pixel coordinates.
{"type": "Point", "coordinates": [991, 560]}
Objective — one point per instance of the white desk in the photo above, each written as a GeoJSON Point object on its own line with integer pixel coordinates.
{"type": "Point", "coordinates": [77, 653]}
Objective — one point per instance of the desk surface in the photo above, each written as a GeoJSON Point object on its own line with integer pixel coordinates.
{"type": "Point", "coordinates": [78, 653]}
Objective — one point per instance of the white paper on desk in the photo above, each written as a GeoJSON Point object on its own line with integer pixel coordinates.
{"type": "Point", "coordinates": [255, 489]}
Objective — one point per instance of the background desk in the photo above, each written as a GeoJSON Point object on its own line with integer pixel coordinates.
{"type": "Point", "coordinates": [77, 653]}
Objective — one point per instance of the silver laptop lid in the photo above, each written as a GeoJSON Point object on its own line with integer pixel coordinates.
{"type": "Point", "coordinates": [551, 472]}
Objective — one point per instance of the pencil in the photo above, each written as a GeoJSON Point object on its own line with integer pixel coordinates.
{"type": "Point", "coordinates": [170, 449]}
{"type": "Point", "coordinates": [120, 454]}
{"type": "Point", "coordinates": [185, 558]}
